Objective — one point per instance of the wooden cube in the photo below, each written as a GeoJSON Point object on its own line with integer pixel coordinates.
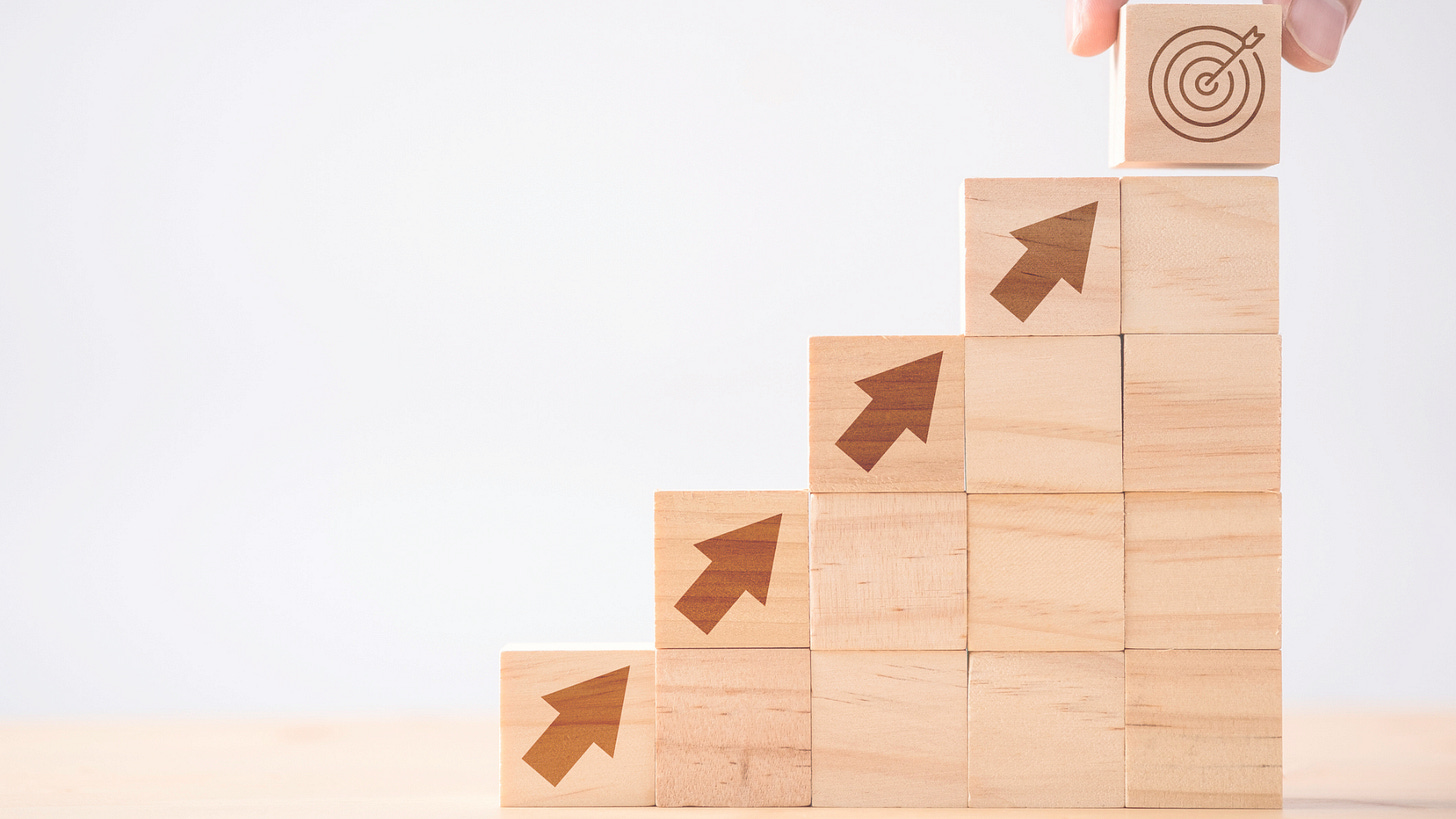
{"type": "Point", "coordinates": [1200, 254]}
{"type": "Point", "coordinates": [1045, 572]}
{"type": "Point", "coordinates": [1203, 569]}
{"type": "Point", "coordinates": [1196, 85]}
{"type": "Point", "coordinates": [887, 571]}
{"type": "Point", "coordinates": [1204, 729]}
{"type": "Point", "coordinates": [1044, 414]}
{"type": "Point", "coordinates": [732, 569]}
{"type": "Point", "coordinates": [1042, 257]}
{"type": "Point", "coordinates": [885, 414]}
{"type": "Point", "coordinates": [576, 725]}
{"type": "Point", "coordinates": [733, 727]}
{"type": "Point", "coordinates": [1201, 413]}
{"type": "Point", "coordinates": [889, 728]}
{"type": "Point", "coordinates": [1046, 730]}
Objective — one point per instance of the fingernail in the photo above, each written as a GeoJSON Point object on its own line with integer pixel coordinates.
{"type": "Point", "coordinates": [1318, 26]}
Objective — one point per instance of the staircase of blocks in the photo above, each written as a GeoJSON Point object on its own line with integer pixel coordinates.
{"type": "Point", "coordinates": [1037, 564]}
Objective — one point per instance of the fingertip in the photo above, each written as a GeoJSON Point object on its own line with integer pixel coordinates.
{"type": "Point", "coordinates": [1092, 25]}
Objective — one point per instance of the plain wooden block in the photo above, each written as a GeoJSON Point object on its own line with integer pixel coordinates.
{"type": "Point", "coordinates": [732, 569]}
{"type": "Point", "coordinates": [1196, 85]}
{"type": "Point", "coordinates": [885, 414]}
{"type": "Point", "coordinates": [1042, 257]}
{"type": "Point", "coordinates": [1046, 730]}
{"type": "Point", "coordinates": [1203, 569]}
{"type": "Point", "coordinates": [733, 727]}
{"type": "Point", "coordinates": [887, 571]}
{"type": "Point", "coordinates": [1201, 413]}
{"type": "Point", "coordinates": [1045, 572]}
{"type": "Point", "coordinates": [576, 725]}
{"type": "Point", "coordinates": [1200, 254]}
{"type": "Point", "coordinates": [1044, 414]}
{"type": "Point", "coordinates": [1204, 729]}
{"type": "Point", "coordinates": [889, 728]}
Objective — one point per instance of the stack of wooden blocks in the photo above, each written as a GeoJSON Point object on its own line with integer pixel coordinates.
{"type": "Point", "coordinates": [1038, 565]}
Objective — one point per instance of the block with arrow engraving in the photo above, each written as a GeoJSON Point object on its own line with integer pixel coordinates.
{"type": "Point", "coordinates": [885, 414]}
{"type": "Point", "coordinates": [1042, 257]}
{"type": "Point", "coordinates": [732, 569]}
{"type": "Point", "coordinates": [577, 725]}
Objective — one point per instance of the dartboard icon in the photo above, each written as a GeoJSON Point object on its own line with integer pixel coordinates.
{"type": "Point", "coordinates": [1206, 83]}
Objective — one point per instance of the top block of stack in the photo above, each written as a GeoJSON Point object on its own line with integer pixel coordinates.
{"type": "Point", "coordinates": [1196, 85]}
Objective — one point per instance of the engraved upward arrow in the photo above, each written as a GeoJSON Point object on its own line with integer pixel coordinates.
{"type": "Point", "coordinates": [588, 714]}
{"type": "Point", "coordinates": [900, 399]}
{"type": "Point", "coordinates": [1056, 250]}
{"type": "Point", "coordinates": [742, 561]}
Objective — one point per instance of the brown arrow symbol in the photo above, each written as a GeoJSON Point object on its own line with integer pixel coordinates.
{"type": "Point", "coordinates": [742, 561]}
{"type": "Point", "coordinates": [1056, 250]}
{"type": "Point", "coordinates": [900, 399]}
{"type": "Point", "coordinates": [588, 714]}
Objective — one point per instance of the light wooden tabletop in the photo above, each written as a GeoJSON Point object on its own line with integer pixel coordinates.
{"type": "Point", "coordinates": [1353, 766]}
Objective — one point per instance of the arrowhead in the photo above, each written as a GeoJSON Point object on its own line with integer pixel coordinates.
{"type": "Point", "coordinates": [743, 558]}
{"type": "Point", "coordinates": [742, 561]}
{"type": "Point", "coordinates": [1056, 249]}
{"type": "Point", "coordinates": [905, 395]}
{"type": "Point", "coordinates": [589, 713]}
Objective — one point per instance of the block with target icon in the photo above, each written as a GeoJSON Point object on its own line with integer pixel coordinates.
{"type": "Point", "coordinates": [886, 414]}
{"type": "Point", "coordinates": [1042, 257]}
{"type": "Point", "coordinates": [732, 569]}
{"type": "Point", "coordinates": [577, 725]}
{"type": "Point", "coordinates": [1196, 84]}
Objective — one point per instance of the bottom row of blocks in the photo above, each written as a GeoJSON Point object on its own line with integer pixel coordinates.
{"type": "Point", "coordinates": [791, 727]}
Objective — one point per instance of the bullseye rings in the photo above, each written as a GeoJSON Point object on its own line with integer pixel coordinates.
{"type": "Point", "coordinates": [1205, 84]}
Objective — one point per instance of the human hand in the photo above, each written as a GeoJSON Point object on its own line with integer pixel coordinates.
{"type": "Point", "coordinates": [1313, 29]}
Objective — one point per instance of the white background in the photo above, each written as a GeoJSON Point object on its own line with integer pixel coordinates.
{"type": "Point", "coordinates": [342, 343]}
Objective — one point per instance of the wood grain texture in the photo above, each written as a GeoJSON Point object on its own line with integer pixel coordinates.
{"type": "Point", "coordinates": [1046, 730]}
{"type": "Point", "coordinates": [1045, 572]}
{"type": "Point", "coordinates": [733, 727]}
{"type": "Point", "coordinates": [1339, 765]}
{"type": "Point", "coordinates": [1236, 129]}
{"type": "Point", "coordinates": [1202, 413]}
{"type": "Point", "coordinates": [529, 674]}
{"type": "Point", "coordinates": [1044, 414]}
{"type": "Point", "coordinates": [1203, 570]}
{"type": "Point", "coordinates": [1204, 729]}
{"type": "Point", "coordinates": [838, 402]}
{"type": "Point", "coordinates": [684, 519]}
{"type": "Point", "coordinates": [1200, 254]}
{"type": "Point", "coordinates": [887, 571]}
{"type": "Point", "coordinates": [994, 209]}
{"type": "Point", "coordinates": [889, 728]}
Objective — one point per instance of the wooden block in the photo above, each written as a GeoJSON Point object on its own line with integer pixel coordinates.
{"type": "Point", "coordinates": [889, 728]}
{"type": "Point", "coordinates": [1201, 413]}
{"type": "Point", "coordinates": [887, 571]}
{"type": "Point", "coordinates": [1045, 572]}
{"type": "Point", "coordinates": [1044, 414]}
{"type": "Point", "coordinates": [1042, 257]}
{"type": "Point", "coordinates": [885, 414]}
{"type": "Point", "coordinates": [1200, 254]}
{"type": "Point", "coordinates": [732, 569]}
{"type": "Point", "coordinates": [733, 727]}
{"type": "Point", "coordinates": [1196, 85]}
{"type": "Point", "coordinates": [576, 725]}
{"type": "Point", "coordinates": [1046, 730]}
{"type": "Point", "coordinates": [1204, 729]}
{"type": "Point", "coordinates": [1203, 569]}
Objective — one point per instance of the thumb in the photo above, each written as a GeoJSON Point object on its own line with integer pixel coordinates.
{"type": "Point", "coordinates": [1314, 29]}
